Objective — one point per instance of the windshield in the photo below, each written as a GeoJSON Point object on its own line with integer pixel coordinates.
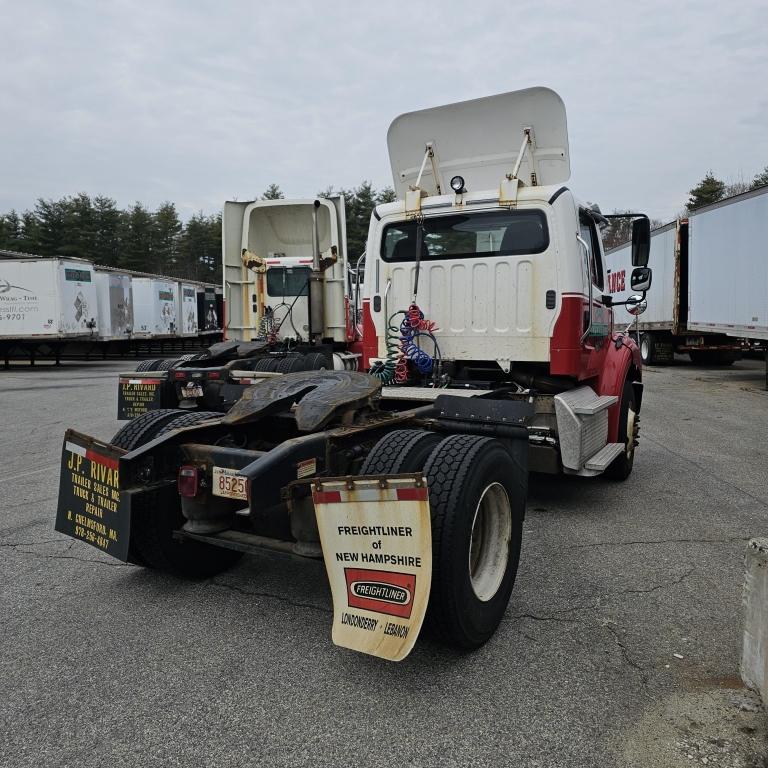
{"type": "Point", "coordinates": [498, 233]}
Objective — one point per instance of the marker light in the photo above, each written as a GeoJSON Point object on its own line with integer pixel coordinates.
{"type": "Point", "coordinates": [188, 477]}
{"type": "Point", "coordinates": [457, 184]}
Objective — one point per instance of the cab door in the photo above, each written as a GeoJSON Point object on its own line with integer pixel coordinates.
{"type": "Point", "coordinates": [597, 318]}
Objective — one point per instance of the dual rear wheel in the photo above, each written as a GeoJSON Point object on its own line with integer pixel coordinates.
{"type": "Point", "coordinates": [477, 495]}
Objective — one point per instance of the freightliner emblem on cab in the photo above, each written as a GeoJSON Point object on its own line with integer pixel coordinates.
{"type": "Point", "coordinates": [377, 546]}
{"type": "Point", "coordinates": [89, 495]}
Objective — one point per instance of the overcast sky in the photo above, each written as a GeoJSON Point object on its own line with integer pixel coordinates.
{"type": "Point", "coordinates": [198, 102]}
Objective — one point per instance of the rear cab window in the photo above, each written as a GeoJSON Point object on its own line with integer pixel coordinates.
{"type": "Point", "coordinates": [288, 281]}
{"type": "Point", "coordinates": [462, 236]}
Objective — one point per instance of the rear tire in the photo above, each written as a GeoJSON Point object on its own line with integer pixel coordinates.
{"type": "Point", "coordinates": [158, 513]}
{"type": "Point", "coordinates": [477, 495]}
{"type": "Point", "coordinates": [187, 420]}
{"type": "Point", "coordinates": [621, 467]}
{"type": "Point", "coordinates": [143, 428]}
{"type": "Point", "coordinates": [647, 349]}
{"type": "Point", "coordinates": [317, 361]}
{"type": "Point", "coordinates": [290, 364]}
{"type": "Point", "coordinates": [404, 450]}
{"type": "Point", "coordinates": [152, 529]}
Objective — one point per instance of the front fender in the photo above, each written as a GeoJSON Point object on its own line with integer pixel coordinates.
{"type": "Point", "coordinates": [622, 363]}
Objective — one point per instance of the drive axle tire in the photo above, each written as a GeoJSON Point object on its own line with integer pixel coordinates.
{"type": "Point", "coordinates": [404, 450]}
{"type": "Point", "coordinates": [187, 420]}
{"type": "Point", "coordinates": [157, 514]}
{"type": "Point", "coordinates": [629, 424]}
{"type": "Point", "coordinates": [316, 361]}
{"type": "Point", "coordinates": [152, 530]}
{"type": "Point", "coordinates": [291, 364]}
{"type": "Point", "coordinates": [477, 495]}
{"type": "Point", "coordinates": [143, 428]}
{"type": "Point", "coordinates": [166, 365]}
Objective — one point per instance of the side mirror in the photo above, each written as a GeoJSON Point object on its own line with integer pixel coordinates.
{"type": "Point", "coordinates": [640, 279]}
{"type": "Point", "coordinates": [636, 305]}
{"type": "Point", "coordinates": [641, 242]}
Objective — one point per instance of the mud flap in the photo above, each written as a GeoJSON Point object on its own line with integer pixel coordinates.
{"type": "Point", "coordinates": [377, 546]}
{"type": "Point", "coordinates": [90, 507]}
{"type": "Point", "coordinates": [137, 395]}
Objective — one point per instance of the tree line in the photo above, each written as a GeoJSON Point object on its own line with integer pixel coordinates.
{"type": "Point", "coordinates": [144, 240]}
{"type": "Point", "coordinates": [138, 238]}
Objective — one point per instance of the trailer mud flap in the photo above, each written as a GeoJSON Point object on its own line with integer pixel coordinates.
{"type": "Point", "coordinates": [377, 545]}
{"type": "Point", "coordinates": [90, 507]}
{"type": "Point", "coordinates": [138, 395]}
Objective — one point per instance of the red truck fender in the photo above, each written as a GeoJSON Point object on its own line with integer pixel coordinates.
{"type": "Point", "coordinates": [622, 363]}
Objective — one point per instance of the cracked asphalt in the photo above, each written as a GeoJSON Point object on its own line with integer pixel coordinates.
{"type": "Point", "coordinates": [620, 645]}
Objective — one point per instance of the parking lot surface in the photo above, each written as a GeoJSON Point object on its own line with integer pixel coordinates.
{"type": "Point", "coordinates": [620, 646]}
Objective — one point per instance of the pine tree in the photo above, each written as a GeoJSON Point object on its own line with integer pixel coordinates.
{"type": "Point", "coordinates": [165, 242]}
{"type": "Point", "coordinates": [136, 252]}
{"type": "Point", "coordinates": [273, 192]}
{"type": "Point", "coordinates": [107, 225]}
{"type": "Point", "coordinates": [761, 180]}
{"type": "Point", "coordinates": [79, 234]}
{"type": "Point", "coordinates": [29, 241]}
{"type": "Point", "coordinates": [51, 227]}
{"type": "Point", "coordinates": [708, 190]}
{"type": "Point", "coordinates": [10, 231]}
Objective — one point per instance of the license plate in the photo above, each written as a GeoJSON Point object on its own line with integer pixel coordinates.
{"type": "Point", "coordinates": [228, 483]}
{"type": "Point", "coordinates": [694, 341]}
{"type": "Point", "coordinates": [192, 390]}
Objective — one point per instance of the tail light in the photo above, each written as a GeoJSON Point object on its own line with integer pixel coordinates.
{"type": "Point", "coordinates": [180, 375]}
{"type": "Point", "coordinates": [214, 375]}
{"type": "Point", "coordinates": [188, 481]}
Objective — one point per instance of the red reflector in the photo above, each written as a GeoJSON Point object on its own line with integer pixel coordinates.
{"type": "Point", "coordinates": [180, 375]}
{"type": "Point", "coordinates": [188, 477]}
{"type": "Point", "coordinates": [411, 494]}
{"type": "Point", "coordinates": [214, 375]}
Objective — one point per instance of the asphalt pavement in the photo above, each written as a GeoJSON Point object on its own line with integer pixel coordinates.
{"type": "Point", "coordinates": [620, 646]}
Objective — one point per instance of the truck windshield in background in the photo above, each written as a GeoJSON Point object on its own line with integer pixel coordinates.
{"type": "Point", "coordinates": [498, 233]}
{"type": "Point", "coordinates": [288, 281]}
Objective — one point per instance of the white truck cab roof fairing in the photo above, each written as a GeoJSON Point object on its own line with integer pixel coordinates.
{"type": "Point", "coordinates": [480, 140]}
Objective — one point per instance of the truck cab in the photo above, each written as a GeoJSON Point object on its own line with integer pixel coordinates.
{"type": "Point", "coordinates": [498, 266]}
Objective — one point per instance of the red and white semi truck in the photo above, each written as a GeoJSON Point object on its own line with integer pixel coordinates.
{"type": "Point", "coordinates": [488, 333]}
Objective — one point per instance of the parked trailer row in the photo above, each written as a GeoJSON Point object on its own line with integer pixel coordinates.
{"type": "Point", "coordinates": [46, 303]}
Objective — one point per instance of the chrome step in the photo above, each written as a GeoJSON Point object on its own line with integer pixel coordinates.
{"type": "Point", "coordinates": [604, 457]}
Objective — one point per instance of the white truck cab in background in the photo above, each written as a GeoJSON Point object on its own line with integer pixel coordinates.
{"type": "Point", "coordinates": [268, 250]}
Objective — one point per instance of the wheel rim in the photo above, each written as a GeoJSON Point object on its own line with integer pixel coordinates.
{"type": "Point", "coordinates": [645, 348]}
{"type": "Point", "coordinates": [489, 543]}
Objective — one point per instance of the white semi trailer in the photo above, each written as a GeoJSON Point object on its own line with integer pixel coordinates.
{"type": "Point", "coordinates": [668, 325]}
{"type": "Point", "coordinates": [115, 301]}
{"type": "Point", "coordinates": [728, 280]}
{"type": "Point", "coordinates": [47, 299]}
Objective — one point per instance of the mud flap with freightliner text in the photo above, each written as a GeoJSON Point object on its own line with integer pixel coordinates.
{"type": "Point", "coordinates": [90, 506]}
{"type": "Point", "coordinates": [377, 545]}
